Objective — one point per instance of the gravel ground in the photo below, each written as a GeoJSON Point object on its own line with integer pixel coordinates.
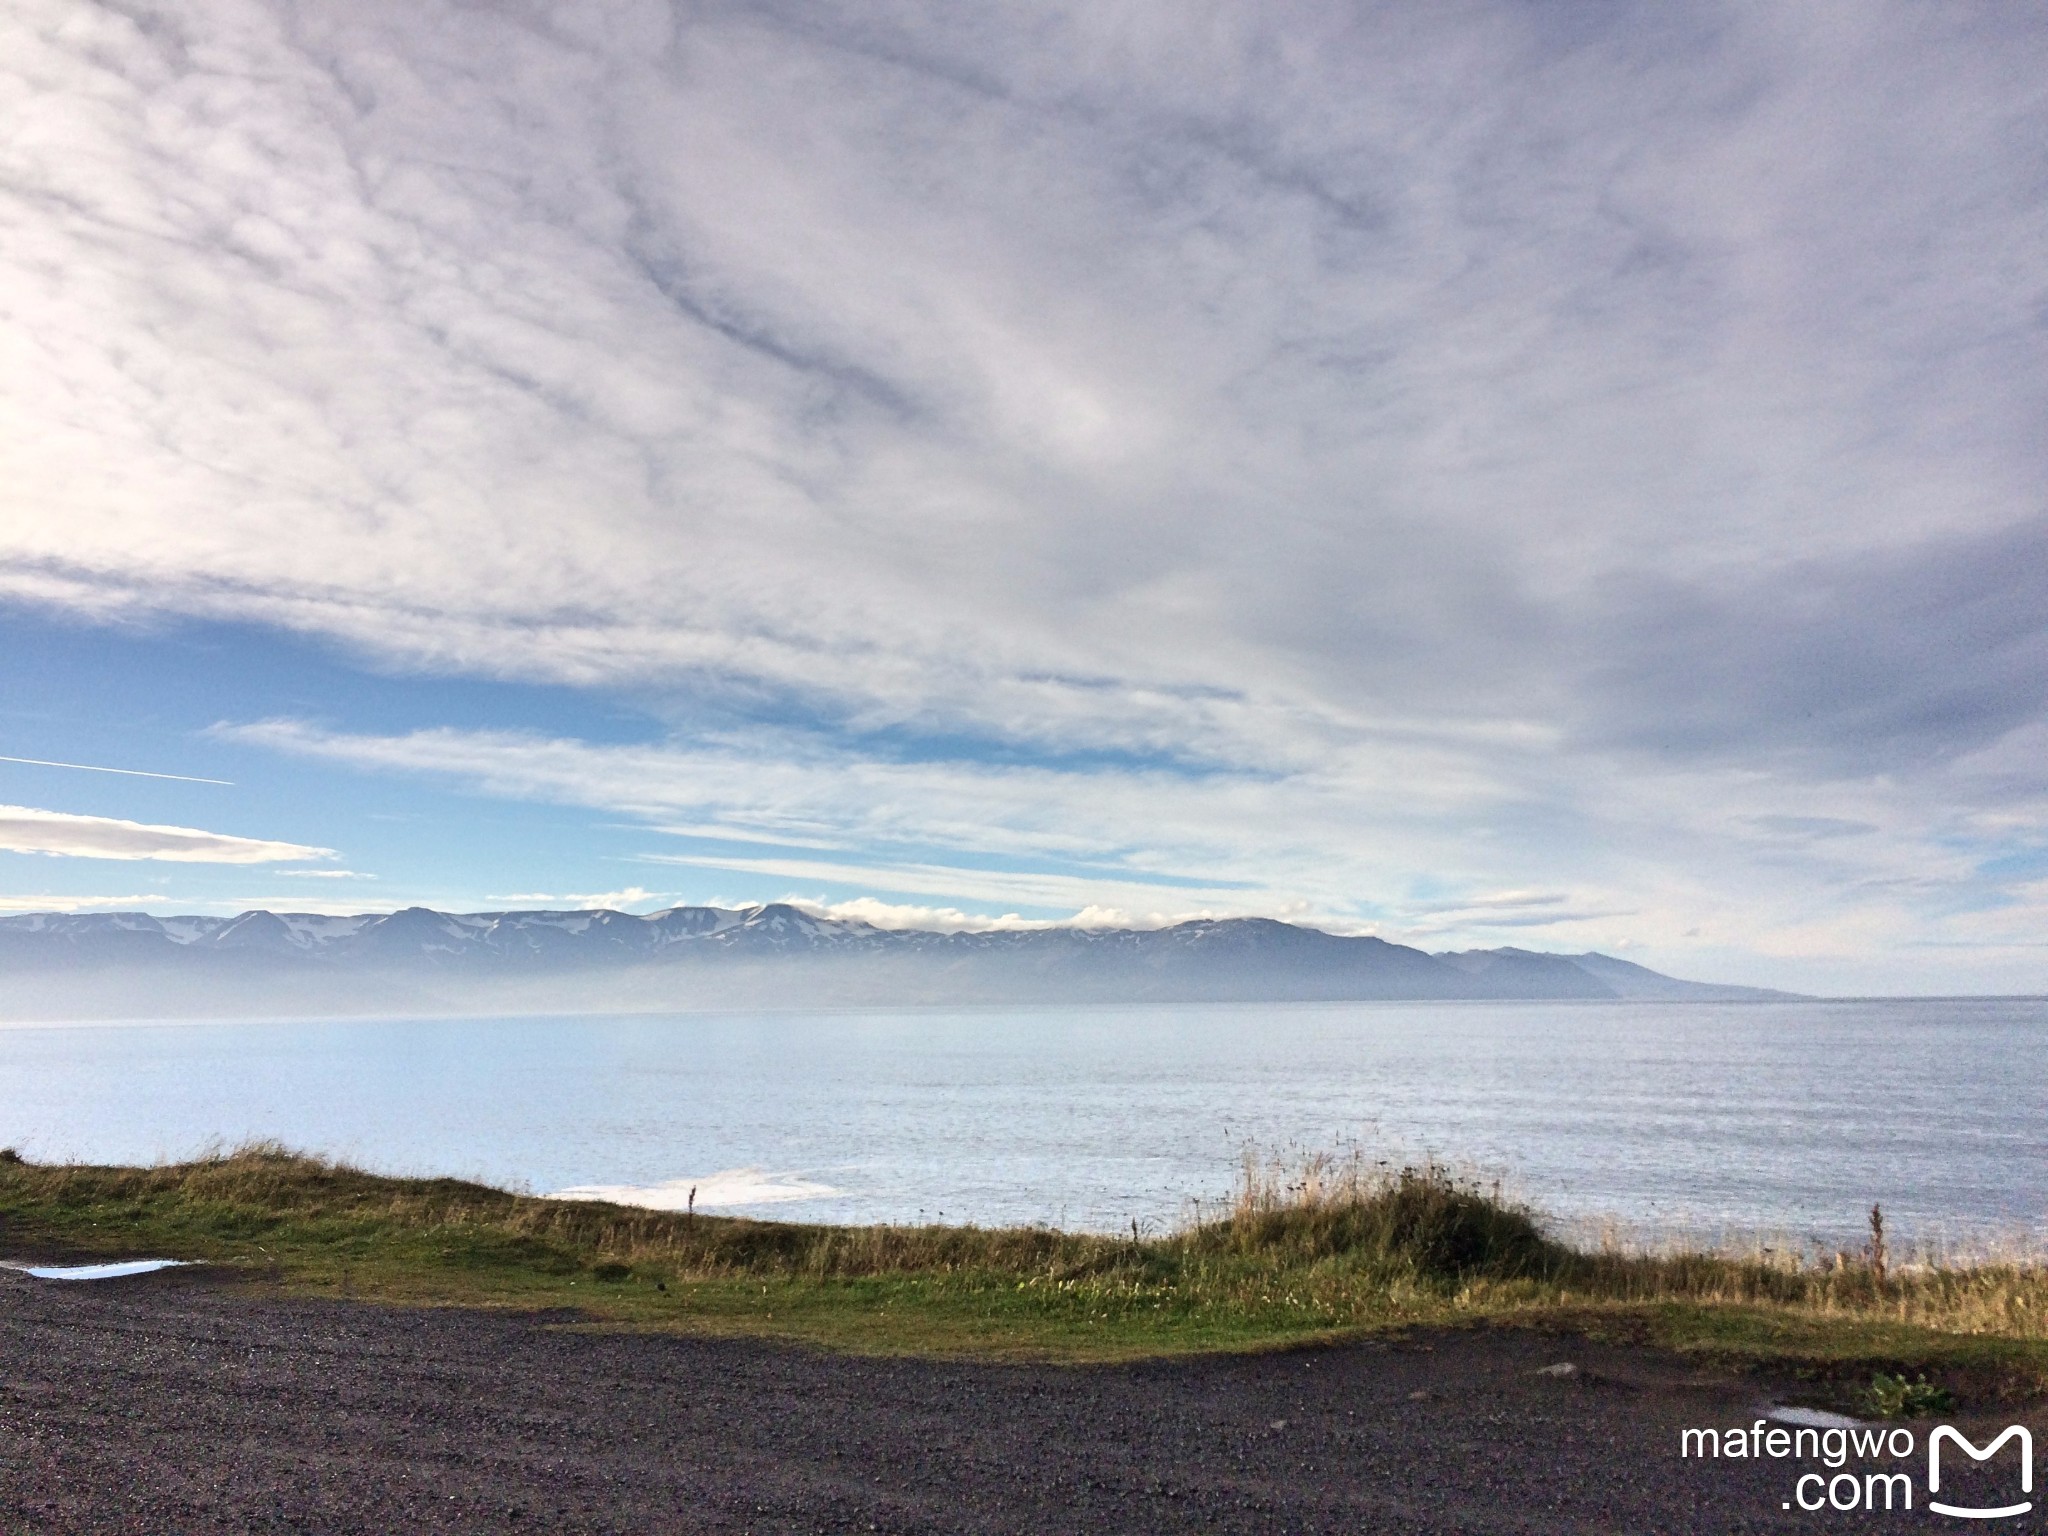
{"type": "Point", "coordinates": [165, 1404]}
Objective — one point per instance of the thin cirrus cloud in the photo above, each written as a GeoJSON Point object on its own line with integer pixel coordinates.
{"type": "Point", "coordinates": [620, 900]}
{"type": "Point", "coordinates": [1079, 830]}
{"type": "Point", "coordinates": [1023, 888]}
{"type": "Point", "coordinates": [50, 903]}
{"type": "Point", "coordinates": [1386, 454]}
{"type": "Point", "coordinates": [24, 829]}
{"type": "Point", "coordinates": [917, 916]}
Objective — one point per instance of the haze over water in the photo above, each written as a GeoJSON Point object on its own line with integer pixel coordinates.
{"type": "Point", "coordinates": [1785, 1119]}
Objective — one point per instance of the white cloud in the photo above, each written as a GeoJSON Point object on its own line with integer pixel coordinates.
{"type": "Point", "coordinates": [1509, 901]}
{"type": "Point", "coordinates": [1039, 890]}
{"type": "Point", "coordinates": [1498, 446]}
{"type": "Point", "coordinates": [613, 901]}
{"type": "Point", "coordinates": [1594, 854]}
{"type": "Point", "coordinates": [26, 830]}
{"type": "Point", "coordinates": [287, 901]}
{"type": "Point", "coordinates": [78, 903]}
{"type": "Point", "coordinates": [1151, 383]}
{"type": "Point", "coordinates": [910, 915]}
{"type": "Point", "coordinates": [727, 832]}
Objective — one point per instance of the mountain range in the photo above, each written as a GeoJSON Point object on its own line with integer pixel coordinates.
{"type": "Point", "coordinates": [129, 964]}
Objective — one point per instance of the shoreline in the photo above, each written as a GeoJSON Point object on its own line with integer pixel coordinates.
{"type": "Point", "coordinates": [1332, 1251]}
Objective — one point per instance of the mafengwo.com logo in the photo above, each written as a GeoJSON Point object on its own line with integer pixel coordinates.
{"type": "Point", "coordinates": [1870, 1468]}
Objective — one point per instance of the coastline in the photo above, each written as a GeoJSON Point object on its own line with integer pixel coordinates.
{"type": "Point", "coordinates": [1325, 1251]}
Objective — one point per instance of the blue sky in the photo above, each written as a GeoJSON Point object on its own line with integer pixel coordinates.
{"type": "Point", "coordinates": [1566, 475]}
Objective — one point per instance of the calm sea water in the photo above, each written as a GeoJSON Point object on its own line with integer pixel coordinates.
{"type": "Point", "coordinates": [1779, 1118]}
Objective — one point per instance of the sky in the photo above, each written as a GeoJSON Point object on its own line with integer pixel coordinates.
{"type": "Point", "coordinates": [1570, 475]}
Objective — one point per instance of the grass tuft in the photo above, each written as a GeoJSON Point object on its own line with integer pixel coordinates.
{"type": "Point", "coordinates": [1423, 1224]}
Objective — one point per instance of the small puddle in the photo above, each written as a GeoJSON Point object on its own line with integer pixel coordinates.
{"type": "Point", "coordinates": [96, 1271]}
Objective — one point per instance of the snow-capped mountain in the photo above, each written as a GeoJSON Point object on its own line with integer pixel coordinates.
{"type": "Point", "coordinates": [778, 955]}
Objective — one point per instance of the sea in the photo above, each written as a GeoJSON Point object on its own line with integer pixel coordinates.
{"type": "Point", "coordinates": [1738, 1124]}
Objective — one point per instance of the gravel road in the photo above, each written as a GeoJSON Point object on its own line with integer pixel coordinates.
{"type": "Point", "coordinates": [168, 1405]}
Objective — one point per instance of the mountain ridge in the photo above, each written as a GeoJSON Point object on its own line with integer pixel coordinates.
{"type": "Point", "coordinates": [417, 958]}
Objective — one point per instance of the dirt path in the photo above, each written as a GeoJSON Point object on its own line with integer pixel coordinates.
{"type": "Point", "coordinates": [167, 1405]}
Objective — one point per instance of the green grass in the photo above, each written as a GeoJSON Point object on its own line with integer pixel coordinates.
{"type": "Point", "coordinates": [1333, 1252]}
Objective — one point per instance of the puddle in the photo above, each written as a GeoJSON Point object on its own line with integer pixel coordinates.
{"type": "Point", "coordinates": [1812, 1418]}
{"type": "Point", "coordinates": [96, 1271]}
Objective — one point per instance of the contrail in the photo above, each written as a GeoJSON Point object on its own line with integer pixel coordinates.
{"type": "Point", "coordinates": [133, 773]}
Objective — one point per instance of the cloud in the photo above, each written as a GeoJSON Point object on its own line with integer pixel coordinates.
{"type": "Point", "coordinates": [287, 901]}
{"type": "Point", "coordinates": [1807, 827]}
{"type": "Point", "coordinates": [1132, 838]}
{"type": "Point", "coordinates": [1504, 910]}
{"type": "Point", "coordinates": [1038, 890]}
{"type": "Point", "coordinates": [1792, 665]}
{"type": "Point", "coordinates": [1129, 383]}
{"type": "Point", "coordinates": [1358, 456]}
{"type": "Point", "coordinates": [1608, 854]}
{"type": "Point", "coordinates": [612, 901]}
{"type": "Point", "coordinates": [727, 832]}
{"type": "Point", "coordinates": [78, 903]}
{"type": "Point", "coordinates": [25, 830]}
{"type": "Point", "coordinates": [910, 915]}
{"type": "Point", "coordinates": [1511, 900]}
